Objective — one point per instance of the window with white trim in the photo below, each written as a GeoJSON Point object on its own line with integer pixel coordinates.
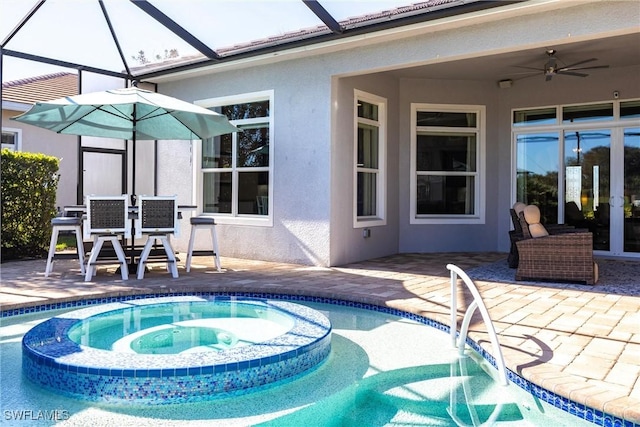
{"type": "Point", "coordinates": [236, 168]}
{"type": "Point", "coordinates": [11, 138]}
{"type": "Point", "coordinates": [447, 158]}
{"type": "Point", "coordinates": [370, 159]}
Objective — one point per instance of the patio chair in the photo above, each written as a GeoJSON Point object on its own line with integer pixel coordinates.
{"type": "Point", "coordinates": [518, 233]}
{"type": "Point", "coordinates": [566, 256]}
{"type": "Point", "coordinates": [107, 220]}
{"type": "Point", "coordinates": [158, 220]}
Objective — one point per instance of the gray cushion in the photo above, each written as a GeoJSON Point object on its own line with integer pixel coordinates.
{"type": "Point", "coordinates": [66, 220]}
{"type": "Point", "coordinates": [202, 220]}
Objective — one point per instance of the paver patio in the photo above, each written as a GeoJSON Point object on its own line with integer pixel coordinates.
{"type": "Point", "coordinates": [583, 345]}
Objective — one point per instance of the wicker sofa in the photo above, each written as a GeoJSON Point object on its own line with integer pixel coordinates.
{"type": "Point", "coordinates": [566, 256]}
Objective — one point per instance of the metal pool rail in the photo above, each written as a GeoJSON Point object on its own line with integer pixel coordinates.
{"type": "Point", "coordinates": [476, 304]}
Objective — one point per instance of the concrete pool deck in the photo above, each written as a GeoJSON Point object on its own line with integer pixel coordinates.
{"type": "Point", "coordinates": [580, 344]}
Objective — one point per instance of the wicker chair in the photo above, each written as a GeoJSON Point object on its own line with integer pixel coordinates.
{"type": "Point", "coordinates": [518, 233]}
{"type": "Point", "coordinates": [107, 220]}
{"type": "Point", "coordinates": [565, 256]}
{"type": "Point", "coordinates": [158, 220]}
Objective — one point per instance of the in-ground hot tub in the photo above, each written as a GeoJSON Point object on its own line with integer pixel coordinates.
{"type": "Point", "coordinates": [174, 349]}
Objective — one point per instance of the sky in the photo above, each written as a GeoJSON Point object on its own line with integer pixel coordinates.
{"type": "Point", "coordinates": [76, 31]}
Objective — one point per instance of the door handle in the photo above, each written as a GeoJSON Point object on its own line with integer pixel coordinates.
{"type": "Point", "coordinates": [612, 200]}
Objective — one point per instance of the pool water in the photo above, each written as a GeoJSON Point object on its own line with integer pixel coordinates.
{"type": "Point", "coordinates": [191, 326]}
{"type": "Point", "coordinates": [382, 370]}
{"type": "Point", "coordinates": [175, 339]}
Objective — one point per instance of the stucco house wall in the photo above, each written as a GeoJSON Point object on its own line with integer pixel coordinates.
{"type": "Point", "coordinates": [347, 242]}
{"type": "Point", "coordinates": [301, 153]}
{"type": "Point", "coordinates": [450, 237]}
{"type": "Point", "coordinates": [313, 131]}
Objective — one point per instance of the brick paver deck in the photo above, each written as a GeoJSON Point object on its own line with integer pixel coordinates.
{"type": "Point", "coordinates": [583, 345]}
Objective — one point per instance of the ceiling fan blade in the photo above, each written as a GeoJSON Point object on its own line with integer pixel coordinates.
{"type": "Point", "coordinates": [529, 68]}
{"type": "Point", "coordinates": [524, 73]}
{"type": "Point", "coordinates": [579, 63]}
{"type": "Point", "coordinates": [583, 68]}
{"type": "Point", "coordinates": [522, 77]}
{"type": "Point", "coordinates": [572, 73]}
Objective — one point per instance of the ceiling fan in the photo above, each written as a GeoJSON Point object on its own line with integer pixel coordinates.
{"type": "Point", "coordinates": [554, 67]}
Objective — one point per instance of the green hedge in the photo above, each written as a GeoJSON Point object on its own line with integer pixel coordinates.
{"type": "Point", "coordinates": [28, 191]}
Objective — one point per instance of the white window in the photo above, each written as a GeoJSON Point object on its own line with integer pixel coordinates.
{"type": "Point", "coordinates": [447, 164]}
{"type": "Point", "coordinates": [370, 159]}
{"type": "Point", "coordinates": [11, 138]}
{"type": "Point", "coordinates": [235, 170]}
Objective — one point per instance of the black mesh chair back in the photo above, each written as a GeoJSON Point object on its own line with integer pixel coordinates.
{"type": "Point", "coordinates": [158, 220]}
{"type": "Point", "coordinates": [107, 215]}
{"type": "Point", "coordinates": [107, 221]}
{"type": "Point", "coordinates": [157, 214]}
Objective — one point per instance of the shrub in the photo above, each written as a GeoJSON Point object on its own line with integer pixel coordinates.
{"type": "Point", "coordinates": [28, 192]}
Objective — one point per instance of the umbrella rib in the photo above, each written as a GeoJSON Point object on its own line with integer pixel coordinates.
{"type": "Point", "coordinates": [122, 114]}
{"type": "Point", "coordinates": [164, 112]}
{"type": "Point", "coordinates": [152, 115]}
{"type": "Point", "coordinates": [74, 121]}
{"type": "Point", "coordinates": [95, 108]}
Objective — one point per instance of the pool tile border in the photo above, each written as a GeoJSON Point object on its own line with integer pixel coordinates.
{"type": "Point", "coordinates": [581, 411]}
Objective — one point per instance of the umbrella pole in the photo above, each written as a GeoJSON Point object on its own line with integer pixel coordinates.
{"type": "Point", "coordinates": [134, 120]}
{"type": "Point", "coordinates": [133, 190]}
{"type": "Point", "coordinates": [132, 248]}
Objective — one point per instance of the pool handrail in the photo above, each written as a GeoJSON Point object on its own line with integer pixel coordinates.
{"type": "Point", "coordinates": [477, 303]}
{"type": "Point", "coordinates": [473, 414]}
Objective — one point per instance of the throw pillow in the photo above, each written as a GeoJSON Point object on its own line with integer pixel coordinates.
{"type": "Point", "coordinates": [532, 216]}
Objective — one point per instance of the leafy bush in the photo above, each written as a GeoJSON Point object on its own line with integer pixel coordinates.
{"type": "Point", "coordinates": [28, 192]}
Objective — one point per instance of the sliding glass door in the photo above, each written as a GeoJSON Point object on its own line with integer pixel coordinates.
{"type": "Point", "coordinates": [631, 199]}
{"type": "Point", "coordinates": [581, 166]}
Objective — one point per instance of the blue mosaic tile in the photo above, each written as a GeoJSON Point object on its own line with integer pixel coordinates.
{"type": "Point", "coordinates": [60, 364]}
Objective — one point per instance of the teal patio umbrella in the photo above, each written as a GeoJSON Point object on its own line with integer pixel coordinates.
{"type": "Point", "coordinates": [131, 113]}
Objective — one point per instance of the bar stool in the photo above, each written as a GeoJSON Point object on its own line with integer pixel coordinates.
{"type": "Point", "coordinates": [203, 222]}
{"type": "Point", "coordinates": [65, 224]}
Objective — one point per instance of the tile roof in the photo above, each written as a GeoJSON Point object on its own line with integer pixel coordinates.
{"type": "Point", "coordinates": [40, 88]}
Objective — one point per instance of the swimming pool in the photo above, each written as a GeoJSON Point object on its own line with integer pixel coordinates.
{"type": "Point", "coordinates": [383, 369]}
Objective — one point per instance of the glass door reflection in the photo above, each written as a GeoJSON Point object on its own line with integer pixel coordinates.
{"type": "Point", "coordinates": [588, 184]}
